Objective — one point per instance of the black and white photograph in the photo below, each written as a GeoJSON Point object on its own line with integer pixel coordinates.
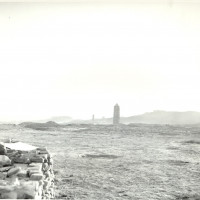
{"type": "Point", "coordinates": [100, 99]}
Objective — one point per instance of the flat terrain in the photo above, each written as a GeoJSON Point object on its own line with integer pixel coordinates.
{"type": "Point", "coordinates": [128, 162]}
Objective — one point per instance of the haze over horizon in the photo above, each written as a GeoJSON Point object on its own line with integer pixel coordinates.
{"type": "Point", "coordinates": [79, 59]}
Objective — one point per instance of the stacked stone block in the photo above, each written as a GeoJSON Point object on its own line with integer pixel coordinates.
{"type": "Point", "coordinates": [26, 174]}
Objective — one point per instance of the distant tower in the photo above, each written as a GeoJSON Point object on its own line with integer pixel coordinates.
{"type": "Point", "coordinates": [93, 119]}
{"type": "Point", "coordinates": [116, 115]}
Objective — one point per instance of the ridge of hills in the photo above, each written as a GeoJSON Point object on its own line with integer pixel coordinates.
{"type": "Point", "coordinates": [164, 117]}
{"type": "Point", "coordinates": [155, 117]}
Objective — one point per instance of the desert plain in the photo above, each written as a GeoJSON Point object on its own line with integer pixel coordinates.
{"type": "Point", "coordinates": [130, 162]}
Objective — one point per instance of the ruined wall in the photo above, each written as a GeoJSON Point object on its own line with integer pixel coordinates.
{"type": "Point", "coordinates": [25, 174]}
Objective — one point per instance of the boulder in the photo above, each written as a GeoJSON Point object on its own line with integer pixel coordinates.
{"type": "Point", "coordinates": [5, 169]}
{"type": "Point", "coordinates": [37, 159]}
{"type": "Point", "coordinates": [22, 160]}
{"type": "Point", "coordinates": [3, 150]}
{"type": "Point", "coordinates": [12, 154]}
{"type": "Point", "coordinates": [26, 194]}
{"type": "Point", "coordinates": [6, 189]}
{"type": "Point", "coordinates": [47, 174]}
{"type": "Point", "coordinates": [28, 190]}
{"type": "Point", "coordinates": [9, 195]}
{"type": "Point", "coordinates": [14, 181]}
{"type": "Point", "coordinates": [45, 167]}
{"type": "Point", "coordinates": [21, 165]}
{"type": "Point", "coordinates": [34, 171]}
{"type": "Point", "coordinates": [22, 174]}
{"type": "Point", "coordinates": [13, 171]}
{"type": "Point", "coordinates": [37, 177]}
{"type": "Point", "coordinates": [35, 165]}
{"type": "Point", "coordinates": [34, 168]}
{"type": "Point", "coordinates": [4, 160]}
{"type": "Point", "coordinates": [3, 175]}
{"type": "Point", "coordinates": [3, 182]}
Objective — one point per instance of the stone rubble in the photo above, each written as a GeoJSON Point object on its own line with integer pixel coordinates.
{"type": "Point", "coordinates": [26, 174]}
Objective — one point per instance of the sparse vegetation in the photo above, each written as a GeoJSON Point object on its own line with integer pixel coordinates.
{"type": "Point", "coordinates": [126, 162]}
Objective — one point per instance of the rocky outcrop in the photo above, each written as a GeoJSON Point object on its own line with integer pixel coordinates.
{"type": "Point", "coordinates": [25, 174]}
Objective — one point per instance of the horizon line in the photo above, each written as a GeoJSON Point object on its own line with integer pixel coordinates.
{"type": "Point", "coordinates": [85, 119]}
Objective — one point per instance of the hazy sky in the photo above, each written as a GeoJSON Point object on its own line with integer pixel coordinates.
{"type": "Point", "coordinates": [79, 59]}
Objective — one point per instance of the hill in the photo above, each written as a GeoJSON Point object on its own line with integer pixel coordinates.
{"type": "Point", "coordinates": [164, 117]}
{"type": "Point", "coordinates": [155, 117]}
{"type": "Point", "coordinates": [40, 126]}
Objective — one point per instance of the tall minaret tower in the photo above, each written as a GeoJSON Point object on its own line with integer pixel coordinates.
{"type": "Point", "coordinates": [116, 115]}
{"type": "Point", "coordinates": [92, 119]}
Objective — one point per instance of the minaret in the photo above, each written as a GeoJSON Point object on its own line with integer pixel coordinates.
{"type": "Point", "coordinates": [116, 115]}
{"type": "Point", "coordinates": [92, 119]}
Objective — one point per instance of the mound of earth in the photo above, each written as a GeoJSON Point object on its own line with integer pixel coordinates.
{"type": "Point", "coordinates": [40, 126]}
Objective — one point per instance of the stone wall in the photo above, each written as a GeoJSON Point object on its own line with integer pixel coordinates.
{"type": "Point", "coordinates": [25, 174]}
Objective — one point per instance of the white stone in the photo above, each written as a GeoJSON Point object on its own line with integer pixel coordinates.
{"type": "Point", "coordinates": [13, 171]}
{"type": "Point", "coordinates": [4, 160]}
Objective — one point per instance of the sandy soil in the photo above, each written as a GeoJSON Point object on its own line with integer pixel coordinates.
{"type": "Point", "coordinates": [130, 162]}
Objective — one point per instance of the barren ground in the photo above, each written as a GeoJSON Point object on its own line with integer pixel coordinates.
{"type": "Point", "coordinates": [130, 162]}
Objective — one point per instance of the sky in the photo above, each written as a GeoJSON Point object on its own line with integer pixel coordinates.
{"type": "Point", "coordinates": [79, 59]}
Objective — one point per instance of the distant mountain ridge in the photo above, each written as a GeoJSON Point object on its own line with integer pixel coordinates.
{"type": "Point", "coordinates": [164, 117]}
{"type": "Point", "coordinates": [60, 119]}
{"type": "Point", "coordinates": [56, 119]}
{"type": "Point", "coordinates": [158, 117]}
{"type": "Point", "coordinates": [155, 117]}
